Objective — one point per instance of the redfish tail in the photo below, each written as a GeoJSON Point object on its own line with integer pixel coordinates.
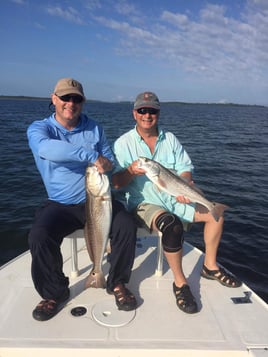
{"type": "Point", "coordinates": [95, 280]}
{"type": "Point", "coordinates": [218, 210]}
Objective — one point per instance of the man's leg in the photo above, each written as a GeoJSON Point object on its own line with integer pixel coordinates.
{"type": "Point", "coordinates": [172, 241]}
{"type": "Point", "coordinates": [53, 222]}
{"type": "Point", "coordinates": [123, 245]}
{"type": "Point", "coordinates": [212, 237]}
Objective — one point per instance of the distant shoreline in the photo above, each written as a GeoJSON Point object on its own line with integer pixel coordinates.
{"type": "Point", "coordinates": [21, 97]}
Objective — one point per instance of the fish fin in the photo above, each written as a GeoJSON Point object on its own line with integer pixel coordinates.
{"type": "Point", "coordinates": [218, 210]}
{"type": "Point", "coordinates": [95, 280]}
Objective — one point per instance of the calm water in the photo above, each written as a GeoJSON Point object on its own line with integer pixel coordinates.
{"type": "Point", "coordinates": [227, 144]}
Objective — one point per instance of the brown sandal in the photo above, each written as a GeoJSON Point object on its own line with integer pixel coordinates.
{"type": "Point", "coordinates": [48, 308]}
{"type": "Point", "coordinates": [124, 299]}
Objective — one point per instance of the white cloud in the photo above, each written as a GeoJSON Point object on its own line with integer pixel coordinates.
{"type": "Point", "coordinates": [69, 14]}
{"type": "Point", "coordinates": [178, 20]}
{"type": "Point", "coordinates": [92, 4]}
{"type": "Point", "coordinates": [125, 8]}
{"type": "Point", "coordinates": [221, 46]}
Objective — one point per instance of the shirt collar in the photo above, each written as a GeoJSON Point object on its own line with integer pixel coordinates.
{"type": "Point", "coordinates": [62, 128]}
{"type": "Point", "coordinates": [161, 134]}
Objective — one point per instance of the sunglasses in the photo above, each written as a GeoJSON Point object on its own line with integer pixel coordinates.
{"type": "Point", "coordinates": [147, 111]}
{"type": "Point", "coordinates": [69, 97]}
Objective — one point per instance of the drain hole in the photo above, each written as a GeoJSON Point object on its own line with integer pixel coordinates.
{"type": "Point", "coordinates": [78, 311]}
{"type": "Point", "coordinates": [106, 313]}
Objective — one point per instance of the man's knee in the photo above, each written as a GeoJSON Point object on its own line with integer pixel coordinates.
{"type": "Point", "coordinates": [172, 231]}
{"type": "Point", "coordinates": [124, 228]}
{"type": "Point", "coordinates": [37, 235]}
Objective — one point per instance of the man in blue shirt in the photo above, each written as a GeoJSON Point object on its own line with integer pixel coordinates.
{"type": "Point", "coordinates": [63, 145]}
{"type": "Point", "coordinates": [158, 210]}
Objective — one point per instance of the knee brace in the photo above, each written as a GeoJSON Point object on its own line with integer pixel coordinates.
{"type": "Point", "coordinates": [172, 231]}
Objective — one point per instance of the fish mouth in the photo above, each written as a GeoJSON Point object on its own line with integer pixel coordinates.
{"type": "Point", "coordinates": [140, 162]}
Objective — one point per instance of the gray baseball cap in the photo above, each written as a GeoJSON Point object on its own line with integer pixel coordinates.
{"type": "Point", "coordinates": [147, 100]}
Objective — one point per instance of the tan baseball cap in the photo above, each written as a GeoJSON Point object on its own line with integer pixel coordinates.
{"type": "Point", "coordinates": [68, 86]}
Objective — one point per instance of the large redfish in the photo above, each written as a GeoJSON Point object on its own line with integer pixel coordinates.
{"type": "Point", "coordinates": [98, 222]}
{"type": "Point", "coordinates": [174, 185]}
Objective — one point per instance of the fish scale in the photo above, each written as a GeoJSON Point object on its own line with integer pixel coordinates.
{"type": "Point", "coordinates": [174, 185]}
{"type": "Point", "coordinates": [98, 222]}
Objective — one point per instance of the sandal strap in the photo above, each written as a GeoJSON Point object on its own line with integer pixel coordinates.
{"type": "Point", "coordinates": [210, 272]}
{"type": "Point", "coordinates": [122, 293]}
{"type": "Point", "coordinates": [225, 276]}
{"type": "Point", "coordinates": [183, 293]}
{"type": "Point", "coordinates": [222, 276]}
{"type": "Point", "coordinates": [47, 305]}
{"type": "Point", "coordinates": [48, 308]}
{"type": "Point", "coordinates": [125, 300]}
{"type": "Point", "coordinates": [185, 299]}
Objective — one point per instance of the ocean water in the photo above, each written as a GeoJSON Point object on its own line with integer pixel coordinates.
{"type": "Point", "coordinates": [227, 143]}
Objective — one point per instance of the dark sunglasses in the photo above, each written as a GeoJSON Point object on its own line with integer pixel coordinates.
{"type": "Point", "coordinates": [147, 111]}
{"type": "Point", "coordinates": [69, 97]}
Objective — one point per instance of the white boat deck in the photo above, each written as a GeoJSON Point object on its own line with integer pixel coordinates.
{"type": "Point", "coordinates": [156, 328]}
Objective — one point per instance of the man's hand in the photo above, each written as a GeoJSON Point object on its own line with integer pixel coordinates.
{"type": "Point", "coordinates": [103, 164]}
{"type": "Point", "coordinates": [135, 170]}
{"type": "Point", "coordinates": [183, 199]}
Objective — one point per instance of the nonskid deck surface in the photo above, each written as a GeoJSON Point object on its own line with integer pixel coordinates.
{"type": "Point", "coordinates": [157, 324]}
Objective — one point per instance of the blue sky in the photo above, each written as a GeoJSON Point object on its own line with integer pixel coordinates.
{"type": "Point", "coordinates": [183, 50]}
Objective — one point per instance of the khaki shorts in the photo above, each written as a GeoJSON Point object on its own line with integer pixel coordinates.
{"type": "Point", "coordinates": [146, 212]}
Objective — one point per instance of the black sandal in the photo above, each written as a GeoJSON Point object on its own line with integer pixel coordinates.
{"type": "Point", "coordinates": [124, 299]}
{"type": "Point", "coordinates": [185, 299]}
{"type": "Point", "coordinates": [222, 276]}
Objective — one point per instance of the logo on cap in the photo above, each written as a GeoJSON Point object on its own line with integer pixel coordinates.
{"type": "Point", "coordinates": [147, 96]}
{"type": "Point", "coordinates": [73, 83]}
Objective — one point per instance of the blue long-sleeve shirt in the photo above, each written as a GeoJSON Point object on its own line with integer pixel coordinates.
{"type": "Point", "coordinates": [62, 155]}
